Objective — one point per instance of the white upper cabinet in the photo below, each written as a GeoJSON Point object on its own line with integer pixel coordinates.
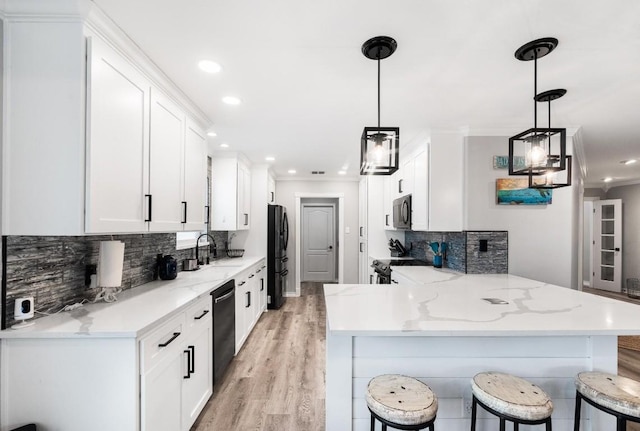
{"type": "Point", "coordinates": [117, 151]}
{"type": "Point", "coordinates": [230, 194]}
{"type": "Point", "coordinates": [166, 175]}
{"type": "Point", "coordinates": [271, 190]}
{"type": "Point", "coordinates": [446, 182]}
{"type": "Point", "coordinates": [195, 178]}
{"type": "Point", "coordinates": [90, 144]}
{"type": "Point", "coordinates": [420, 196]}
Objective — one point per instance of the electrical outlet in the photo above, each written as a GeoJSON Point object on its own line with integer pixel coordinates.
{"type": "Point", "coordinates": [94, 281]}
{"type": "Point", "coordinates": [466, 407]}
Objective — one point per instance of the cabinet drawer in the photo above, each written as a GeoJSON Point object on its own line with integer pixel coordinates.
{"type": "Point", "coordinates": [160, 343]}
{"type": "Point", "coordinates": [199, 313]}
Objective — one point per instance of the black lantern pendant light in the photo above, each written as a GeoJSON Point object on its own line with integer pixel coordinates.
{"type": "Point", "coordinates": [551, 179]}
{"type": "Point", "coordinates": [379, 145]}
{"type": "Point", "coordinates": [538, 151]}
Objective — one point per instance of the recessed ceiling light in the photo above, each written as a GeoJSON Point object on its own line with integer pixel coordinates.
{"type": "Point", "coordinates": [224, 145]}
{"type": "Point", "coordinates": [342, 172]}
{"type": "Point", "coordinates": [269, 159]}
{"type": "Point", "coordinates": [607, 179]}
{"type": "Point", "coordinates": [231, 100]}
{"type": "Point", "coordinates": [629, 162]}
{"type": "Point", "coordinates": [292, 171]}
{"type": "Point", "coordinates": [209, 66]}
{"type": "Point", "coordinates": [212, 134]}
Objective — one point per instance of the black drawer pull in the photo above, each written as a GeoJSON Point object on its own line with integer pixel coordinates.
{"type": "Point", "coordinates": [166, 343]}
{"type": "Point", "coordinates": [188, 352]}
{"type": "Point", "coordinates": [193, 359]}
{"type": "Point", "coordinates": [252, 275]}
{"type": "Point", "coordinates": [204, 313]}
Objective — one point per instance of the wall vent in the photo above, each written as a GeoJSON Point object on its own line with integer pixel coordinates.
{"type": "Point", "coordinates": [317, 172]}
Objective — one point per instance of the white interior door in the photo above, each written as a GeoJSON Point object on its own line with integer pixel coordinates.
{"type": "Point", "coordinates": [607, 245]}
{"type": "Point", "coordinates": [318, 243]}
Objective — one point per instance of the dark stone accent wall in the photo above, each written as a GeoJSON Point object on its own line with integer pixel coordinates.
{"type": "Point", "coordinates": [52, 269]}
{"type": "Point", "coordinates": [456, 247]}
{"type": "Point", "coordinates": [463, 253]}
{"type": "Point", "coordinates": [495, 260]}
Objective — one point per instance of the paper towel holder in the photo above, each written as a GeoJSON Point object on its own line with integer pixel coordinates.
{"type": "Point", "coordinates": [110, 265]}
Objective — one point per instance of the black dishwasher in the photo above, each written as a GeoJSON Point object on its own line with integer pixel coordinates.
{"type": "Point", "coordinates": [224, 328]}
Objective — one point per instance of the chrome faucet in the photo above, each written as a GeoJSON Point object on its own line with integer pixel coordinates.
{"type": "Point", "coordinates": [212, 247]}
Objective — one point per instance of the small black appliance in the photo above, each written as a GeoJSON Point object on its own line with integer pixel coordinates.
{"type": "Point", "coordinates": [402, 212]}
{"type": "Point", "coordinates": [167, 267]}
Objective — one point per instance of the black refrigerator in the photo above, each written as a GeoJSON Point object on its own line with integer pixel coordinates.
{"type": "Point", "coordinates": [277, 239]}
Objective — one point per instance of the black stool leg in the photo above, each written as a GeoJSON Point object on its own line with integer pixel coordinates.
{"type": "Point", "coordinates": [516, 426]}
{"type": "Point", "coordinates": [384, 426]}
{"type": "Point", "coordinates": [473, 413]}
{"type": "Point", "coordinates": [576, 416]}
{"type": "Point", "coordinates": [373, 423]}
{"type": "Point", "coordinates": [622, 424]}
{"type": "Point", "coordinates": [502, 424]}
{"type": "Point", "coordinates": [549, 424]}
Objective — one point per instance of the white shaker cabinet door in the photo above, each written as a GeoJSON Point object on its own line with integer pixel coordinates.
{"type": "Point", "coordinates": [197, 382]}
{"type": "Point", "coordinates": [165, 163]}
{"type": "Point", "coordinates": [162, 395]}
{"type": "Point", "coordinates": [195, 179]}
{"type": "Point", "coordinates": [117, 168]}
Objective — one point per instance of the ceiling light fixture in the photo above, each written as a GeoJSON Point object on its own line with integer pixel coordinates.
{"type": "Point", "coordinates": [379, 145]}
{"type": "Point", "coordinates": [224, 145]}
{"type": "Point", "coordinates": [231, 100]}
{"type": "Point", "coordinates": [212, 134]}
{"type": "Point", "coordinates": [269, 159]}
{"type": "Point", "coordinates": [607, 179]}
{"type": "Point", "coordinates": [209, 66]}
{"type": "Point", "coordinates": [629, 162]}
{"type": "Point", "coordinates": [539, 151]}
{"type": "Point", "coordinates": [292, 171]}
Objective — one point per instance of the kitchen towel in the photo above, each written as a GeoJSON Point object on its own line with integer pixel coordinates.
{"type": "Point", "coordinates": [110, 263]}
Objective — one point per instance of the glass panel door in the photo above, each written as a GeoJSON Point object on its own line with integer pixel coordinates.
{"type": "Point", "coordinates": [607, 235]}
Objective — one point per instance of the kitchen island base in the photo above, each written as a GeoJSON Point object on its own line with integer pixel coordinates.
{"type": "Point", "coordinates": [447, 365]}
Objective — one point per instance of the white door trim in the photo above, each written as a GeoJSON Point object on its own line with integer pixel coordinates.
{"type": "Point", "coordinates": [301, 195]}
{"type": "Point", "coordinates": [334, 237]}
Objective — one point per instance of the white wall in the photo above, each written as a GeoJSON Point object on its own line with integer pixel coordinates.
{"type": "Point", "coordinates": [543, 240]}
{"type": "Point", "coordinates": [630, 196]}
{"type": "Point", "coordinates": [286, 196]}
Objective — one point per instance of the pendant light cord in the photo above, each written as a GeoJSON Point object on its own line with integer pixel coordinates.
{"type": "Point", "coordinates": [379, 53]}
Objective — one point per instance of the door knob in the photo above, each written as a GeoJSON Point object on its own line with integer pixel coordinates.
{"type": "Point", "coordinates": [330, 247]}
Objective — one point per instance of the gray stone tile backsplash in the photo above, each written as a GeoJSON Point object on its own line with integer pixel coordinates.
{"type": "Point", "coordinates": [463, 253]}
{"type": "Point", "coordinates": [52, 269]}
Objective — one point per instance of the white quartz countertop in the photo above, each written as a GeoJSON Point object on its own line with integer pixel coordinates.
{"type": "Point", "coordinates": [137, 309]}
{"type": "Point", "coordinates": [445, 303]}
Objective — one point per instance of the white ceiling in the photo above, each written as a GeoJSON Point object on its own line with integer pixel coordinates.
{"type": "Point", "coordinates": [308, 91]}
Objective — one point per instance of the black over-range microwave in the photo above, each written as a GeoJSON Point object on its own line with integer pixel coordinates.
{"type": "Point", "coordinates": [402, 212]}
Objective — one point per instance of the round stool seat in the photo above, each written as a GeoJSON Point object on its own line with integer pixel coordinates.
{"type": "Point", "coordinates": [511, 396]}
{"type": "Point", "coordinates": [401, 400]}
{"type": "Point", "coordinates": [617, 393]}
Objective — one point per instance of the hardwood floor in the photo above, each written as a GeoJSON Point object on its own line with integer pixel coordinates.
{"type": "Point", "coordinates": [276, 382]}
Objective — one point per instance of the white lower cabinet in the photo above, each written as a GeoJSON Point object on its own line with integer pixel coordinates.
{"type": "Point", "coordinates": [176, 370]}
{"type": "Point", "coordinates": [250, 301]}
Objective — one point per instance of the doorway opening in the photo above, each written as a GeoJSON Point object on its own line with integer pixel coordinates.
{"type": "Point", "coordinates": [319, 238]}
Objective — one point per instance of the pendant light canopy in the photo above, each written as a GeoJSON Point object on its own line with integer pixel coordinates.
{"type": "Point", "coordinates": [379, 145]}
{"type": "Point", "coordinates": [539, 150]}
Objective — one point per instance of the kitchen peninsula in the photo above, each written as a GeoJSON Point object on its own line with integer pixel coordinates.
{"type": "Point", "coordinates": [448, 326]}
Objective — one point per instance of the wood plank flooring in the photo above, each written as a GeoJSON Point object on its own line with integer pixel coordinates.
{"type": "Point", "coordinates": [276, 382]}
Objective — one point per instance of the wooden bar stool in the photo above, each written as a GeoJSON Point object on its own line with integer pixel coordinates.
{"type": "Point", "coordinates": [511, 399]}
{"type": "Point", "coordinates": [401, 402]}
{"type": "Point", "coordinates": [610, 393]}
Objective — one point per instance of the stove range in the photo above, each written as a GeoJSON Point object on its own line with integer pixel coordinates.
{"type": "Point", "coordinates": [382, 267]}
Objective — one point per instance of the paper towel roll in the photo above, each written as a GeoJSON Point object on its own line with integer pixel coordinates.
{"type": "Point", "coordinates": [110, 263]}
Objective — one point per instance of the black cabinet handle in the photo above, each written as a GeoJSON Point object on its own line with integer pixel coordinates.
{"type": "Point", "coordinates": [170, 340]}
{"type": "Point", "coordinates": [399, 186]}
{"type": "Point", "coordinates": [252, 275]}
{"type": "Point", "coordinates": [386, 219]}
{"type": "Point", "coordinates": [261, 284]}
{"type": "Point", "coordinates": [617, 249]}
{"type": "Point", "coordinates": [273, 196]}
{"type": "Point", "coordinates": [184, 212]}
{"type": "Point", "coordinates": [192, 368]}
{"type": "Point", "coordinates": [188, 352]}
{"type": "Point", "coordinates": [361, 231]}
{"type": "Point", "coordinates": [204, 313]}
{"type": "Point", "coordinates": [149, 205]}
{"type": "Point", "coordinates": [207, 217]}
{"type": "Point", "coordinates": [361, 248]}
{"type": "Point", "coordinates": [246, 219]}
{"type": "Point", "coordinates": [241, 283]}
{"type": "Point", "coordinates": [370, 278]}
{"type": "Point", "coordinates": [248, 300]}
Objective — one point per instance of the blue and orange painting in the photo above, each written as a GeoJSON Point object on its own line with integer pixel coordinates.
{"type": "Point", "coordinates": [516, 191]}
